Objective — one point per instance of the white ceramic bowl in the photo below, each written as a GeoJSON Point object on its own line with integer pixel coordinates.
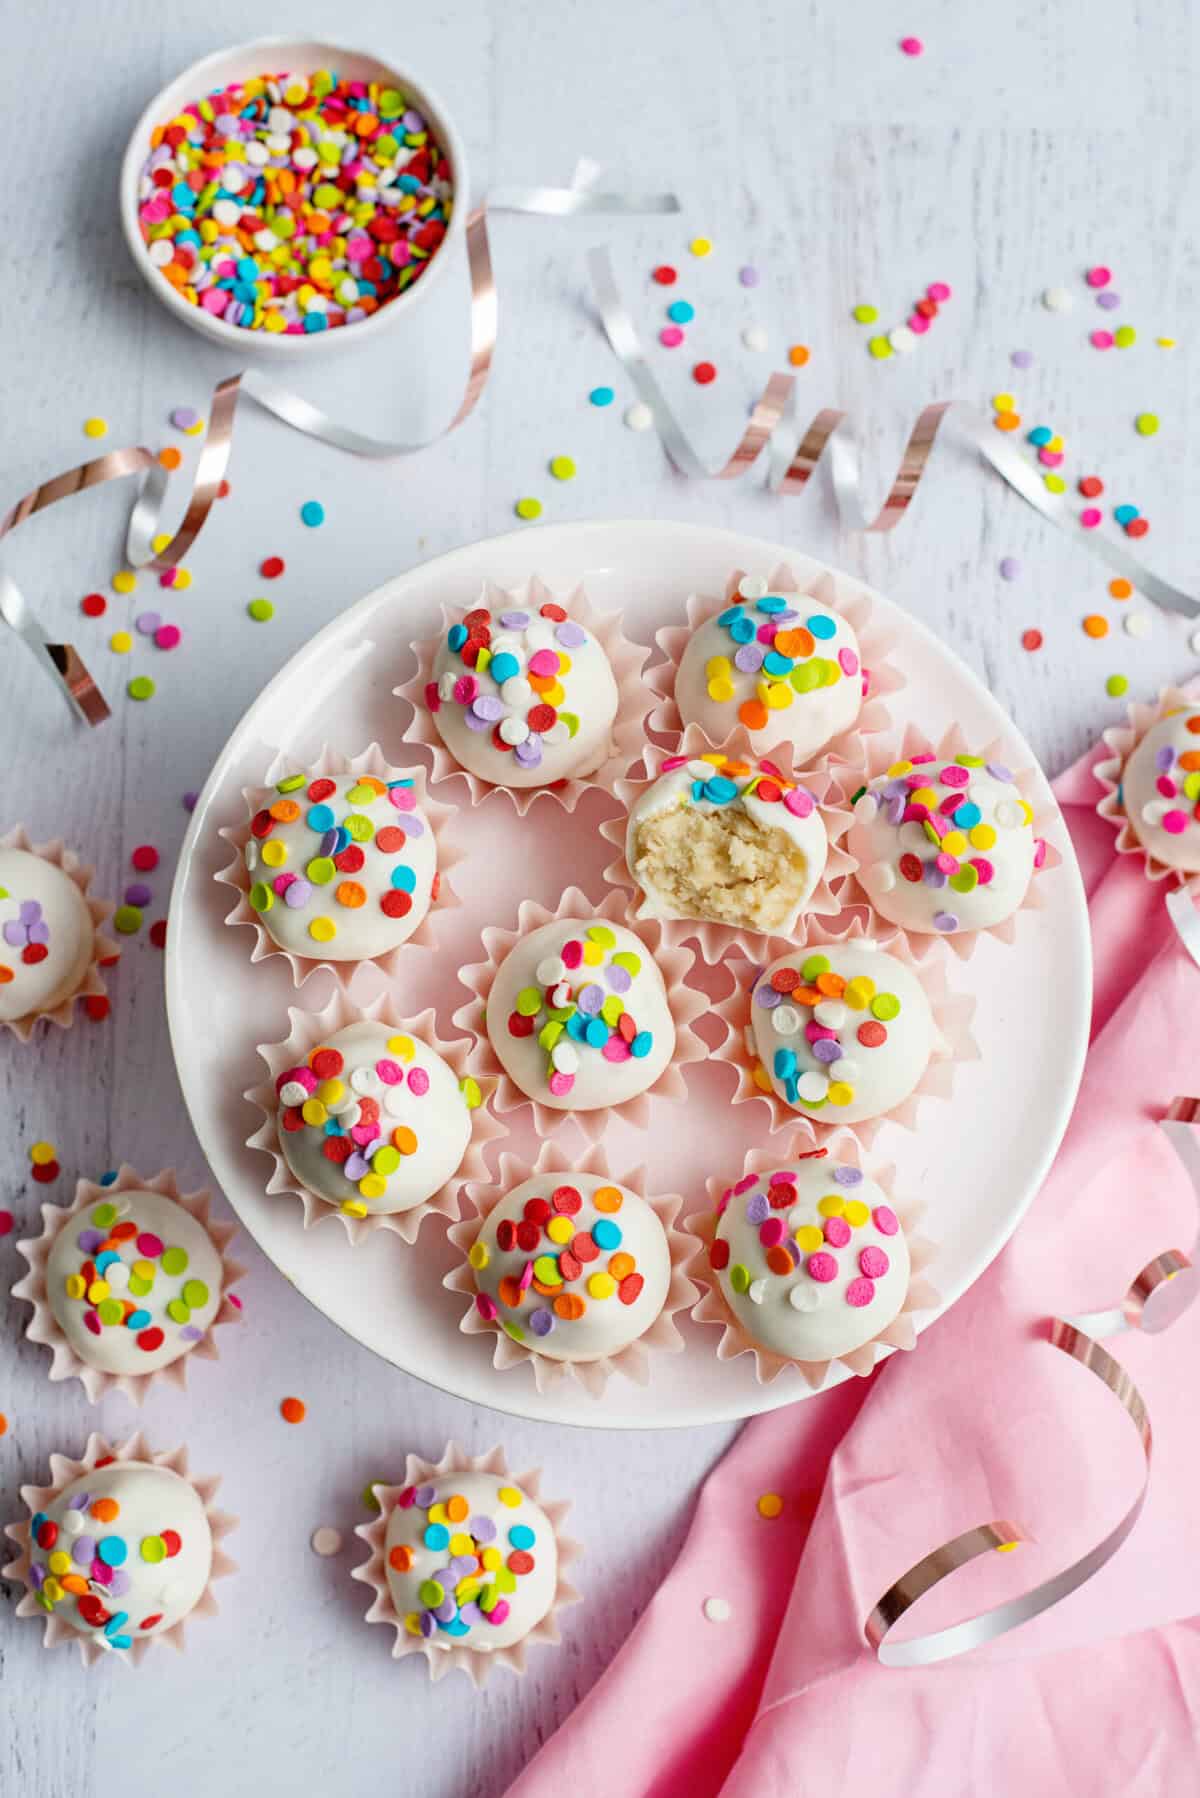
{"type": "Point", "coordinates": [297, 56]}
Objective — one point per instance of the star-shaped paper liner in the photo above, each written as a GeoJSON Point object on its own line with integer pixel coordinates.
{"type": "Point", "coordinates": [104, 950]}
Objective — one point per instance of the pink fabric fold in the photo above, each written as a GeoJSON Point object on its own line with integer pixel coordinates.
{"type": "Point", "coordinates": [985, 1420]}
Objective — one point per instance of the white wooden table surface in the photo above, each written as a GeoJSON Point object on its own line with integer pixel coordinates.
{"type": "Point", "coordinates": [1024, 145]}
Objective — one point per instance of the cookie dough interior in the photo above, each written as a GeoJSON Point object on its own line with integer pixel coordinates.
{"type": "Point", "coordinates": [719, 865]}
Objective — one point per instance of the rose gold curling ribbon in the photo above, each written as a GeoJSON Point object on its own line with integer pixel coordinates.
{"type": "Point", "coordinates": [291, 409]}
{"type": "Point", "coordinates": [795, 455]}
{"type": "Point", "coordinates": [1161, 1293]}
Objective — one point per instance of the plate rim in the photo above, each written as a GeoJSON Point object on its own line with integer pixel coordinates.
{"type": "Point", "coordinates": [341, 626]}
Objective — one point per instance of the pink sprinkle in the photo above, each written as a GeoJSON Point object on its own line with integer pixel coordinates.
{"type": "Point", "coordinates": [950, 804]}
{"type": "Point", "coordinates": [403, 799]}
{"type": "Point", "coordinates": [837, 1232]}
{"type": "Point", "coordinates": [168, 636]}
{"type": "Point", "coordinates": [886, 1221]}
{"type": "Point", "coordinates": [390, 1072]}
{"type": "Point", "coordinates": [672, 762]}
{"type": "Point", "coordinates": [984, 869]}
{"type": "Point", "coordinates": [919, 761]}
{"type": "Point", "coordinates": [1050, 458]}
{"type": "Point", "coordinates": [418, 1081]}
{"type": "Point", "coordinates": [947, 863]}
{"type": "Point", "coordinates": [1098, 276]}
{"type": "Point", "coordinates": [616, 1049]}
{"type": "Point", "coordinates": [526, 1279]}
{"type": "Point", "coordinates": [799, 803]}
{"type": "Point", "coordinates": [819, 1033]}
{"type": "Point", "coordinates": [745, 1184]}
{"type": "Point", "coordinates": [938, 290]}
{"type": "Point", "coordinates": [822, 1267]}
{"type": "Point", "coordinates": [572, 954]}
{"type": "Point", "coordinates": [915, 814]}
{"type": "Point", "coordinates": [1039, 853]}
{"type": "Point", "coordinates": [955, 776]}
{"type": "Point", "coordinates": [92, 1320]}
{"type": "Point", "coordinates": [466, 688]}
{"type": "Point", "coordinates": [785, 1177]}
{"type": "Point", "coordinates": [919, 324]}
{"type": "Point", "coordinates": [848, 660]}
{"type": "Point", "coordinates": [561, 1084]}
{"type": "Point", "coordinates": [168, 577]}
{"type": "Point", "coordinates": [280, 884]}
{"type": "Point", "coordinates": [498, 1613]}
{"type": "Point", "coordinates": [1090, 517]}
{"type": "Point", "coordinates": [1166, 786]}
{"type": "Point", "coordinates": [487, 1309]}
{"type": "Point", "coordinates": [670, 337]}
{"type": "Point", "coordinates": [860, 1293]}
{"type": "Point", "coordinates": [766, 632]}
{"type": "Point", "coordinates": [873, 1262]}
{"type": "Point", "coordinates": [433, 699]}
{"type": "Point", "coordinates": [215, 300]}
{"type": "Point", "coordinates": [544, 663]}
{"type": "Point", "coordinates": [1101, 340]}
{"type": "Point", "coordinates": [149, 1245]}
{"type": "Point", "coordinates": [1175, 822]}
{"type": "Point", "coordinates": [363, 1134]}
{"type": "Point", "coordinates": [912, 46]}
{"type": "Point", "coordinates": [771, 1231]}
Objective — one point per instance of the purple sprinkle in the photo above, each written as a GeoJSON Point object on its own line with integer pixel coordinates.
{"type": "Point", "coordinates": [514, 621]}
{"type": "Point", "coordinates": [424, 1496]}
{"type": "Point", "coordinates": [183, 418]}
{"type": "Point", "coordinates": [1022, 358]}
{"type": "Point", "coordinates": [470, 1614]}
{"type": "Point", "coordinates": [118, 1582]}
{"type": "Point", "coordinates": [190, 1333]}
{"type": "Point", "coordinates": [138, 894]}
{"type": "Point", "coordinates": [81, 1500]}
{"type": "Point", "coordinates": [15, 933]}
{"type": "Point", "coordinates": [1164, 759]}
{"type": "Point", "coordinates": [489, 707]}
{"type": "Point", "coordinates": [827, 1048]}
{"type": "Point", "coordinates": [328, 843]}
{"type": "Point", "coordinates": [146, 623]}
{"type": "Point", "coordinates": [413, 826]}
{"type": "Point", "coordinates": [462, 1567]}
{"type": "Point", "coordinates": [758, 1209]}
{"type": "Point", "coordinates": [483, 1529]}
{"type": "Point", "coordinates": [1010, 568]}
{"type": "Point", "coordinates": [39, 933]}
{"type": "Point", "coordinates": [413, 120]}
{"type": "Point", "coordinates": [31, 912]}
{"type": "Point", "coordinates": [590, 1000]}
{"type": "Point", "coordinates": [37, 1574]}
{"type": "Point", "coordinates": [767, 997]}
{"type": "Point", "coordinates": [474, 723]}
{"type": "Point", "coordinates": [189, 801]}
{"type": "Point", "coordinates": [570, 634]}
{"type": "Point", "coordinates": [748, 657]}
{"type": "Point", "coordinates": [1108, 299]}
{"type": "Point", "coordinates": [944, 920]}
{"type": "Point", "coordinates": [848, 1176]}
{"type": "Point", "coordinates": [89, 1241]}
{"type": "Point", "coordinates": [297, 893]}
{"type": "Point", "coordinates": [998, 771]}
{"type": "Point", "coordinates": [529, 753]}
{"type": "Point", "coordinates": [748, 276]}
{"type": "Point", "coordinates": [355, 1166]}
{"type": "Point", "coordinates": [932, 875]}
{"type": "Point", "coordinates": [619, 979]}
{"type": "Point", "coordinates": [447, 1611]}
{"type": "Point", "coordinates": [895, 810]}
{"type": "Point", "coordinates": [541, 1321]}
{"type": "Point", "coordinates": [428, 1624]}
{"type": "Point", "coordinates": [83, 1550]}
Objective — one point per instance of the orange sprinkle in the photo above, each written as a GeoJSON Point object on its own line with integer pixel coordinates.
{"type": "Point", "coordinates": [510, 1292]}
{"type": "Point", "coordinates": [401, 1558]}
{"type": "Point", "coordinates": [170, 458]}
{"type": "Point", "coordinates": [798, 355]}
{"type": "Point", "coordinates": [105, 1509]}
{"type": "Point", "coordinates": [1007, 421]}
{"type": "Point", "coordinates": [779, 1260]}
{"type": "Point", "coordinates": [621, 1264]}
{"type": "Point", "coordinates": [570, 1306]}
{"type": "Point", "coordinates": [1193, 724]}
{"type": "Point", "coordinates": [1120, 588]}
{"type": "Point", "coordinates": [377, 786]}
{"type": "Point", "coordinates": [6, 974]}
{"type": "Point", "coordinates": [753, 714]}
{"type": "Point", "coordinates": [1190, 760]}
{"type": "Point", "coordinates": [3, 1431]}
{"type": "Point", "coordinates": [608, 1198]}
{"type": "Point", "coordinates": [122, 1232]}
{"type": "Point", "coordinates": [75, 1584]}
{"type": "Point", "coordinates": [350, 894]}
{"type": "Point", "coordinates": [404, 1139]}
{"type": "Point", "coordinates": [457, 1508]}
{"type": "Point", "coordinates": [734, 770]}
{"type": "Point", "coordinates": [547, 1292]}
{"type": "Point", "coordinates": [1095, 625]}
{"type": "Point", "coordinates": [832, 985]}
{"type": "Point", "coordinates": [293, 1410]}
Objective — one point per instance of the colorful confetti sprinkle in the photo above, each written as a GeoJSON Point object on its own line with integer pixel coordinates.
{"type": "Point", "coordinates": [93, 605]}
{"type": "Point", "coordinates": [562, 468]}
{"type": "Point", "coordinates": [1146, 424]}
{"type": "Point", "coordinates": [701, 246]}
{"type": "Point", "coordinates": [272, 567]}
{"type": "Point", "coordinates": [326, 1541]}
{"type": "Point", "coordinates": [601, 396]}
{"type": "Point", "coordinates": [528, 508]}
{"type": "Point", "coordinates": [704, 373]}
{"type": "Point", "coordinates": [639, 417]}
{"type": "Point", "coordinates": [312, 513]}
{"type": "Point", "coordinates": [261, 610]}
{"type": "Point", "coordinates": [1031, 640]}
{"type": "Point", "coordinates": [95, 427]}
{"type": "Point", "coordinates": [1010, 568]}
{"type": "Point", "coordinates": [293, 1410]}
{"type": "Point", "coordinates": [141, 687]}
{"type": "Point", "coordinates": [1116, 685]}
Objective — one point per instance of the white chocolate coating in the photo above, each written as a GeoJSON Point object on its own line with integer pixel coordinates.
{"type": "Point", "coordinates": [548, 691]}
{"type": "Point", "coordinates": [841, 1263]}
{"type": "Point", "coordinates": [453, 1563]}
{"type": "Point", "coordinates": [573, 969]}
{"type": "Point", "coordinates": [805, 697]}
{"type": "Point", "coordinates": [1161, 790]}
{"type": "Point", "coordinates": [167, 1307]}
{"type": "Point", "coordinates": [392, 1096]}
{"type": "Point", "coordinates": [41, 908]}
{"type": "Point", "coordinates": [345, 867]}
{"type": "Point", "coordinates": [754, 887]}
{"type": "Point", "coordinates": [619, 1301]}
{"type": "Point", "coordinates": [154, 1579]}
{"type": "Point", "coordinates": [944, 856]}
{"type": "Point", "coordinates": [882, 1028]}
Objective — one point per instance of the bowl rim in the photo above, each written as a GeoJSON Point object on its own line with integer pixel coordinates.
{"type": "Point", "coordinates": [312, 53]}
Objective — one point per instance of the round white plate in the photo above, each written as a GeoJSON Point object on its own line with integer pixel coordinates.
{"type": "Point", "coordinates": [976, 1161]}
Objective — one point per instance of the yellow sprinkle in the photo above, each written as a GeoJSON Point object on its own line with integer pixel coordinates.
{"type": "Point", "coordinates": [1003, 402]}
{"type": "Point", "coordinates": [41, 1153]}
{"type": "Point", "coordinates": [124, 581]}
{"type": "Point", "coordinates": [159, 543]}
{"type": "Point", "coordinates": [322, 930]}
{"type": "Point", "coordinates": [354, 1208]}
{"type": "Point", "coordinates": [700, 246]}
{"type": "Point", "coordinates": [95, 427]}
{"type": "Point", "coordinates": [770, 1504]}
{"type": "Point", "coordinates": [121, 641]}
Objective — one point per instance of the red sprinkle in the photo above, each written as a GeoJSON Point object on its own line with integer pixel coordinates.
{"type": "Point", "coordinates": [46, 1171]}
{"type": "Point", "coordinates": [665, 275]}
{"type": "Point", "coordinates": [1091, 486]}
{"type": "Point", "coordinates": [1137, 527]}
{"type": "Point", "coordinates": [1031, 640]}
{"type": "Point", "coordinates": [272, 568]}
{"type": "Point", "coordinates": [96, 1006]}
{"type": "Point", "coordinates": [704, 372]}
{"type": "Point", "coordinates": [93, 605]}
{"type": "Point", "coordinates": [158, 933]}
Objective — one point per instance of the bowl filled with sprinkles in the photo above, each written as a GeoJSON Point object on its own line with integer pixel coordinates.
{"type": "Point", "coordinates": [292, 196]}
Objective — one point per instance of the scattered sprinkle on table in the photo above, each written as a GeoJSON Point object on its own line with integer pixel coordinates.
{"type": "Point", "coordinates": [1101, 340]}
{"type": "Point", "coordinates": [681, 312]}
{"type": "Point", "coordinates": [704, 373]}
{"type": "Point", "coordinates": [312, 513]}
{"type": "Point", "coordinates": [97, 1007]}
{"type": "Point", "coordinates": [170, 458]}
{"type": "Point", "coordinates": [95, 427]}
{"type": "Point", "coordinates": [326, 1540]}
{"type": "Point", "coordinates": [799, 354]}
{"type": "Point", "coordinates": [639, 416]}
{"type": "Point", "coordinates": [701, 246]}
{"type": "Point", "coordinates": [124, 581]}
{"type": "Point", "coordinates": [562, 468]}
{"type": "Point", "coordinates": [1165, 343]}
{"type": "Point", "coordinates": [665, 275]}
{"type": "Point", "coordinates": [141, 687]}
{"type": "Point", "coordinates": [272, 567]}
{"type": "Point", "coordinates": [602, 396]}
{"type": "Point", "coordinates": [1090, 517]}
{"type": "Point", "coordinates": [1116, 685]}
{"type": "Point", "coordinates": [43, 1154]}
{"type": "Point", "coordinates": [755, 337]}
{"type": "Point", "coordinates": [770, 1505]}
{"type": "Point", "coordinates": [158, 933]}
{"type": "Point", "coordinates": [1031, 640]}
{"type": "Point", "coordinates": [261, 610]}
{"type": "Point", "coordinates": [7, 1221]}
{"type": "Point", "coordinates": [127, 919]}
{"type": "Point", "coordinates": [184, 417]}
{"type": "Point", "coordinates": [293, 1410]}
{"type": "Point", "coordinates": [1010, 568]}
{"type": "Point", "coordinates": [528, 508]}
{"type": "Point", "coordinates": [1021, 358]}
{"type": "Point", "coordinates": [1137, 624]}
{"type": "Point", "coordinates": [748, 275]}
{"type": "Point", "coordinates": [718, 1610]}
{"type": "Point", "coordinates": [879, 347]}
{"type": "Point", "coordinates": [1091, 486]}
{"type": "Point", "coordinates": [1098, 276]}
{"type": "Point", "coordinates": [1146, 424]}
{"type": "Point", "coordinates": [93, 605]}
{"type": "Point", "coordinates": [146, 623]}
{"type": "Point", "coordinates": [1003, 402]}
{"type": "Point", "coordinates": [137, 893]}
{"type": "Point", "coordinates": [188, 800]}
{"type": "Point", "coordinates": [121, 642]}
{"type": "Point", "coordinates": [1120, 588]}
{"type": "Point", "coordinates": [1095, 625]}
{"type": "Point", "coordinates": [865, 315]}
{"type": "Point", "coordinates": [1057, 299]}
{"type": "Point", "coordinates": [902, 339]}
{"type": "Point", "coordinates": [1108, 300]}
{"type": "Point", "coordinates": [3, 1424]}
{"type": "Point", "coordinates": [670, 337]}
{"type": "Point", "coordinates": [168, 636]}
{"type": "Point", "coordinates": [911, 46]}
{"type": "Point", "coordinates": [1125, 337]}
{"type": "Point", "coordinates": [367, 1495]}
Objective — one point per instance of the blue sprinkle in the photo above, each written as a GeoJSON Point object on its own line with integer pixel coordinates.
{"type": "Point", "coordinates": [138, 1320]}
{"type": "Point", "coordinates": [720, 790]}
{"type": "Point", "coordinates": [680, 312]}
{"type": "Point", "coordinates": [315, 321]}
{"type": "Point", "coordinates": [727, 617]}
{"type": "Point", "coordinates": [520, 1535]}
{"type": "Point", "coordinates": [596, 1032]}
{"type": "Point", "coordinates": [742, 630]}
{"type": "Point", "coordinates": [576, 1025]}
{"type": "Point", "coordinates": [641, 1045]}
{"type": "Point", "coordinates": [1126, 514]}
{"type": "Point", "coordinates": [697, 790]}
{"type": "Point", "coordinates": [405, 879]}
{"type": "Point", "coordinates": [503, 667]}
{"type": "Point", "coordinates": [247, 270]}
{"type": "Point", "coordinates": [116, 1623]}
{"type": "Point", "coordinates": [454, 1628]}
{"type": "Point", "coordinates": [436, 1536]}
{"type": "Point", "coordinates": [312, 513]}
{"type": "Point", "coordinates": [772, 603]}
{"type": "Point", "coordinates": [792, 1090]}
{"type": "Point", "coordinates": [121, 1641]}
{"type": "Point", "coordinates": [343, 840]}
{"type": "Point", "coordinates": [785, 1063]}
{"type": "Point", "coordinates": [1041, 435]}
{"type": "Point", "coordinates": [106, 1260]}
{"type": "Point", "coordinates": [821, 625]}
{"type": "Point", "coordinates": [320, 818]}
{"type": "Point", "coordinates": [408, 184]}
{"type": "Point", "coordinates": [602, 396]}
{"type": "Point", "coordinates": [968, 816]}
{"type": "Point", "coordinates": [774, 663]}
{"type": "Point", "coordinates": [605, 1235]}
{"type": "Point", "coordinates": [457, 636]}
{"type": "Point", "coordinates": [399, 783]}
{"type": "Point", "coordinates": [108, 1178]}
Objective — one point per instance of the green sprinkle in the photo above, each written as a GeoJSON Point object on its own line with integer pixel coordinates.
{"type": "Point", "coordinates": [141, 687]}
{"type": "Point", "coordinates": [1124, 336]}
{"type": "Point", "coordinates": [880, 348]}
{"type": "Point", "coordinates": [562, 468]}
{"type": "Point", "coordinates": [528, 508]}
{"type": "Point", "coordinates": [1146, 424]}
{"type": "Point", "coordinates": [1115, 685]}
{"type": "Point", "coordinates": [128, 919]}
{"type": "Point", "coordinates": [261, 610]}
{"type": "Point", "coordinates": [865, 315]}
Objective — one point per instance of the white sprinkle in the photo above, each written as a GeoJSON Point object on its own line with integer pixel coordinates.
{"type": "Point", "coordinates": [1057, 299]}
{"type": "Point", "coordinates": [786, 1020]}
{"type": "Point", "coordinates": [903, 340]}
{"type": "Point", "coordinates": [755, 337]}
{"type": "Point", "coordinates": [845, 1069]}
{"type": "Point", "coordinates": [565, 1057]}
{"type": "Point", "coordinates": [718, 1610]}
{"type": "Point", "coordinates": [513, 730]}
{"type": "Point", "coordinates": [550, 970]}
{"type": "Point", "coordinates": [812, 1085]}
{"type": "Point", "coordinates": [831, 1013]}
{"type": "Point", "coordinates": [752, 586]}
{"type": "Point", "coordinates": [756, 1292]}
{"type": "Point", "coordinates": [804, 1296]}
{"type": "Point", "coordinates": [639, 416]}
{"type": "Point", "coordinates": [1137, 624]}
{"type": "Point", "coordinates": [326, 1540]}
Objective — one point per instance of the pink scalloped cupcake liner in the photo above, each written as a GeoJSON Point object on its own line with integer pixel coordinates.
{"type": "Point", "coordinates": [330, 761]}
{"type": "Point", "coordinates": [713, 1308]}
{"type": "Point", "coordinates": [63, 1470]}
{"type": "Point", "coordinates": [953, 1042]}
{"type": "Point", "coordinates": [686, 1005]}
{"type": "Point", "coordinates": [626, 658]}
{"type": "Point", "coordinates": [43, 1326]}
{"type": "Point", "coordinates": [1122, 740]}
{"type": "Point", "coordinates": [634, 1361]}
{"type": "Point", "coordinates": [719, 940]}
{"type": "Point", "coordinates": [371, 1572]}
{"type": "Point", "coordinates": [308, 1029]}
{"type": "Point", "coordinates": [879, 756]}
{"type": "Point", "coordinates": [104, 949]}
{"type": "Point", "coordinates": [876, 641]}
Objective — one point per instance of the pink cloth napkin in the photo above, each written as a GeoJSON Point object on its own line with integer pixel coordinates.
{"type": "Point", "coordinates": [986, 1420]}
